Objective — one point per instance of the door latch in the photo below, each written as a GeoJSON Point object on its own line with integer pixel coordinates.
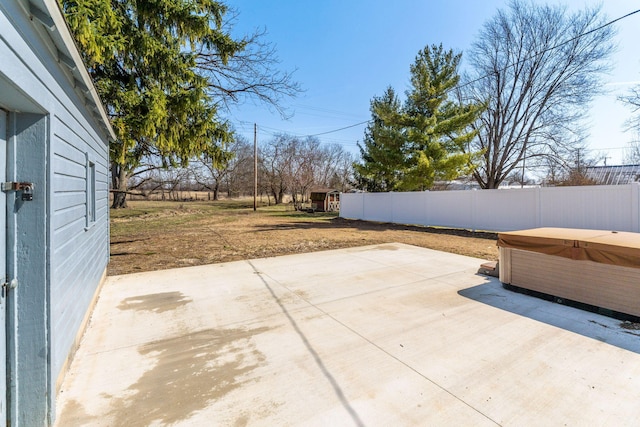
{"type": "Point", "coordinates": [26, 188]}
{"type": "Point", "coordinates": [8, 285]}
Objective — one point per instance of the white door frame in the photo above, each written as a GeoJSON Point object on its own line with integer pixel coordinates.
{"type": "Point", "coordinates": [3, 270]}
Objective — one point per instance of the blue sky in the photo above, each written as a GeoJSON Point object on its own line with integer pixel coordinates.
{"type": "Point", "coordinates": [344, 52]}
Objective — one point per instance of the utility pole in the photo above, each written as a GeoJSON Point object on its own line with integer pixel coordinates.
{"type": "Point", "coordinates": [255, 166]}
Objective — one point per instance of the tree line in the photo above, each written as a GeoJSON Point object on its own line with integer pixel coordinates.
{"type": "Point", "coordinates": [286, 166]}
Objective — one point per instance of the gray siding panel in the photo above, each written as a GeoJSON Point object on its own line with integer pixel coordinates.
{"type": "Point", "coordinates": [64, 200]}
{"type": "Point", "coordinates": [63, 218]}
{"type": "Point", "coordinates": [69, 183]}
{"type": "Point", "coordinates": [66, 167]}
{"type": "Point", "coordinates": [74, 268]}
{"type": "Point", "coordinates": [68, 152]}
{"type": "Point", "coordinates": [71, 272]}
{"type": "Point", "coordinates": [67, 233]}
{"type": "Point", "coordinates": [79, 253]}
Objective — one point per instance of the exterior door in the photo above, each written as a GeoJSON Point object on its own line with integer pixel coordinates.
{"type": "Point", "coordinates": [3, 271]}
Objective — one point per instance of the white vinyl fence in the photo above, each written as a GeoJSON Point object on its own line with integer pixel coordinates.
{"type": "Point", "coordinates": [599, 207]}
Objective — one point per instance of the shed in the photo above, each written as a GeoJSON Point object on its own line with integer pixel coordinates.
{"type": "Point", "coordinates": [54, 231]}
{"type": "Point", "coordinates": [325, 200]}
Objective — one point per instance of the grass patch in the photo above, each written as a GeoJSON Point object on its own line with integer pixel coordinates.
{"type": "Point", "coordinates": [153, 235]}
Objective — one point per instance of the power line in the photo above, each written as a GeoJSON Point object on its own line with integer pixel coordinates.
{"type": "Point", "coordinates": [266, 130]}
{"type": "Point", "coordinates": [327, 112]}
{"type": "Point", "coordinates": [338, 130]}
{"type": "Point", "coordinates": [527, 58]}
{"type": "Point", "coordinates": [278, 132]}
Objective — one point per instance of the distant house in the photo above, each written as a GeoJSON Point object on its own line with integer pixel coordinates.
{"type": "Point", "coordinates": [54, 229]}
{"type": "Point", "coordinates": [325, 200]}
{"type": "Point", "coordinates": [613, 175]}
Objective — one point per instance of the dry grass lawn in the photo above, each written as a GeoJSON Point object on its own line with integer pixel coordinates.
{"type": "Point", "coordinates": [159, 235]}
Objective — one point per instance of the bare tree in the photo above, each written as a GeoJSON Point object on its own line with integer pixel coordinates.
{"type": "Point", "coordinates": [239, 178]}
{"type": "Point", "coordinates": [304, 164]}
{"type": "Point", "coordinates": [632, 99]}
{"type": "Point", "coordinates": [170, 182]}
{"type": "Point", "coordinates": [335, 168]}
{"type": "Point", "coordinates": [573, 169]}
{"type": "Point", "coordinates": [210, 171]}
{"type": "Point", "coordinates": [250, 74]}
{"type": "Point", "coordinates": [275, 163]}
{"type": "Point", "coordinates": [342, 176]}
{"type": "Point", "coordinates": [293, 165]}
{"type": "Point", "coordinates": [215, 169]}
{"type": "Point", "coordinates": [537, 67]}
{"type": "Point", "coordinates": [632, 153]}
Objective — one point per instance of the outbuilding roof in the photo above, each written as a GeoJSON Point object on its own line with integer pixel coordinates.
{"type": "Point", "coordinates": [324, 190]}
{"type": "Point", "coordinates": [48, 15]}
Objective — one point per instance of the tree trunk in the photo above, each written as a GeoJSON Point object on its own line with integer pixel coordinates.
{"type": "Point", "coordinates": [119, 181]}
{"type": "Point", "coordinates": [216, 191]}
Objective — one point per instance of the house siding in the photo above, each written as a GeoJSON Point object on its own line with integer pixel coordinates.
{"type": "Point", "coordinates": [60, 263]}
{"type": "Point", "coordinates": [79, 253]}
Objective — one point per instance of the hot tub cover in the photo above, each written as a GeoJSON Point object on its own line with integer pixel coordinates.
{"type": "Point", "coordinates": [607, 247]}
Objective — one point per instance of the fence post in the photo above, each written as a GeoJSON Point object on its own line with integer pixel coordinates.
{"type": "Point", "coordinates": [474, 206]}
{"type": "Point", "coordinates": [635, 207]}
{"type": "Point", "coordinates": [393, 207]}
{"type": "Point", "coordinates": [426, 215]}
{"type": "Point", "coordinates": [538, 206]}
{"type": "Point", "coordinates": [425, 204]}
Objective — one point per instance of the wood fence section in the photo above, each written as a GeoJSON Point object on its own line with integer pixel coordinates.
{"type": "Point", "coordinates": [600, 207]}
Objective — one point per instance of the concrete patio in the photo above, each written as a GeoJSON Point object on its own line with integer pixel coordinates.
{"type": "Point", "coordinates": [377, 336]}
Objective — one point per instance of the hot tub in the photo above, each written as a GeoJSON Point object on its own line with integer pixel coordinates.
{"type": "Point", "coordinates": [595, 267]}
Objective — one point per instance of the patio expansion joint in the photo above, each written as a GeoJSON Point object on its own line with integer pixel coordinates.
{"type": "Point", "coordinates": [408, 265]}
{"type": "Point", "coordinates": [372, 292]}
{"type": "Point", "coordinates": [373, 344]}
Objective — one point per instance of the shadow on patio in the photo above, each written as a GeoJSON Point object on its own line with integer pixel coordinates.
{"type": "Point", "coordinates": [589, 324]}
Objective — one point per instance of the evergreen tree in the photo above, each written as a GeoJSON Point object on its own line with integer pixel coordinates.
{"type": "Point", "coordinates": [408, 148]}
{"type": "Point", "coordinates": [142, 57]}
{"type": "Point", "coordinates": [157, 65]}
{"type": "Point", "coordinates": [382, 152]}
